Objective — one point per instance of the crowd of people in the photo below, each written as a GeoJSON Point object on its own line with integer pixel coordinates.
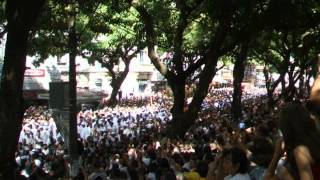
{"type": "Point", "coordinates": [127, 142]}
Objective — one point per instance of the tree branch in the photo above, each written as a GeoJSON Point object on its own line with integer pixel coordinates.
{"type": "Point", "coordinates": [129, 57]}
{"type": "Point", "coordinates": [194, 66]}
{"type": "Point", "coordinates": [178, 42]}
{"type": "Point", "coordinates": [151, 39]}
{"type": "Point", "coordinates": [182, 25]}
{"type": "Point", "coordinates": [221, 67]}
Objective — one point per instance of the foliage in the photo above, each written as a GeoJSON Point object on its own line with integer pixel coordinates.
{"type": "Point", "coordinates": [124, 35]}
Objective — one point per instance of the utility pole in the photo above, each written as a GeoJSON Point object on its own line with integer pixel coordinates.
{"type": "Point", "coordinates": [73, 149]}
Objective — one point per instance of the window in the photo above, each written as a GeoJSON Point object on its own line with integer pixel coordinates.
{"type": "Point", "coordinates": [144, 76]}
{"type": "Point", "coordinates": [98, 82]}
{"type": "Point", "coordinates": [142, 86]}
{"type": "Point", "coordinates": [141, 54]}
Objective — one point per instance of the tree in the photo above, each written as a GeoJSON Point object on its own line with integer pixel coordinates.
{"type": "Point", "coordinates": [238, 74]}
{"type": "Point", "coordinates": [208, 29]}
{"type": "Point", "coordinates": [290, 54]}
{"type": "Point", "coordinates": [266, 49]}
{"type": "Point", "coordinates": [123, 42]}
{"type": "Point", "coordinates": [20, 16]}
{"type": "Point", "coordinates": [284, 42]}
{"type": "Point", "coordinates": [107, 32]}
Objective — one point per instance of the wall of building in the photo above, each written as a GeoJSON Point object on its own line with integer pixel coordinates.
{"type": "Point", "coordinates": [91, 77]}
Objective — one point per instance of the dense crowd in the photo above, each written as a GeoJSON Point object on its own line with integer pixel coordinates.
{"type": "Point", "coordinates": [127, 142]}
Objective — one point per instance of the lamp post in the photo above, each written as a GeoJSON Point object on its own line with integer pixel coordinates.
{"type": "Point", "coordinates": [73, 149]}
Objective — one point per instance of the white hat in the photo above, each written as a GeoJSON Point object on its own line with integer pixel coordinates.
{"type": "Point", "coordinates": [37, 146]}
{"type": "Point", "coordinates": [18, 160]}
{"type": "Point", "coordinates": [37, 162]}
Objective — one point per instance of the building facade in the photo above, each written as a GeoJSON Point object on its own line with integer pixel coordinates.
{"type": "Point", "coordinates": [90, 77]}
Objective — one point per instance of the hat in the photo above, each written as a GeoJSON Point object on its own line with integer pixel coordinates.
{"type": "Point", "coordinates": [37, 162]}
{"type": "Point", "coordinates": [37, 146]}
{"type": "Point", "coordinates": [18, 160]}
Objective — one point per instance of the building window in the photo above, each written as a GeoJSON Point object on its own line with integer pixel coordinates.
{"type": "Point", "coordinates": [59, 60]}
{"type": "Point", "coordinates": [98, 82]}
{"type": "Point", "coordinates": [144, 76]}
{"type": "Point", "coordinates": [141, 54]}
{"type": "Point", "coordinates": [142, 86]}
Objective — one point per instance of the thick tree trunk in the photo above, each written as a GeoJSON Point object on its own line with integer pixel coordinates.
{"type": "Point", "coordinates": [178, 124]}
{"type": "Point", "coordinates": [113, 101]}
{"type": "Point", "coordinates": [20, 16]}
{"type": "Point", "coordinates": [184, 118]}
{"type": "Point", "coordinates": [11, 107]}
{"type": "Point", "coordinates": [268, 80]}
{"type": "Point", "coordinates": [238, 74]}
{"type": "Point", "coordinates": [236, 106]}
{"type": "Point", "coordinates": [116, 83]}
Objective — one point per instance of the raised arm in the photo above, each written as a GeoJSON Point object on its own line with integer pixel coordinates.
{"type": "Point", "coordinates": [303, 160]}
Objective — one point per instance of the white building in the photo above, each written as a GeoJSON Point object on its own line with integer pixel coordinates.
{"type": "Point", "coordinates": [89, 77]}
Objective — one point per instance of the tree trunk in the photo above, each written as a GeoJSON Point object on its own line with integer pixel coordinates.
{"type": "Point", "coordinates": [268, 80]}
{"type": "Point", "coordinates": [11, 107]}
{"type": "Point", "coordinates": [184, 118]}
{"type": "Point", "coordinates": [290, 91]}
{"type": "Point", "coordinates": [283, 86]}
{"type": "Point", "coordinates": [307, 84]}
{"type": "Point", "coordinates": [116, 83]}
{"type": "Point", "coordinates": [178, 124]}
{"type": "Point", "coordinates": [20, 16]}
{"type": "Point", "coordinates": [238, 74]}
{"type": "Point", "coordinates": [115, 88]}
{"type": "Point", "coordinates": [271, 87]}
{"type": "Point", "coordinates": [302, 86]}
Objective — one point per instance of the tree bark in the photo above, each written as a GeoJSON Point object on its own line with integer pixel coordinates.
{"type": "Point", "coordinates": [20, 16]}
{"type": "Point", "coordinates": [238, 74]}
{"type": "Point", "coordinates": [178, 124]}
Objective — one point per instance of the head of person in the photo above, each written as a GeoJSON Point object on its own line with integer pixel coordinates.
{"type": "Point", "coordinates": [300, 127]}
{"type": "Point", "coordinates": [261, 149]}
{"type": "Point", "coordinates": [168, 175]}
{"type": "Point", "coordinates": [235, 161]}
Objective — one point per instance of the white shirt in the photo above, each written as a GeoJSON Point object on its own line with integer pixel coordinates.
{"type": "Point", "coordinates": [151, 176]}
